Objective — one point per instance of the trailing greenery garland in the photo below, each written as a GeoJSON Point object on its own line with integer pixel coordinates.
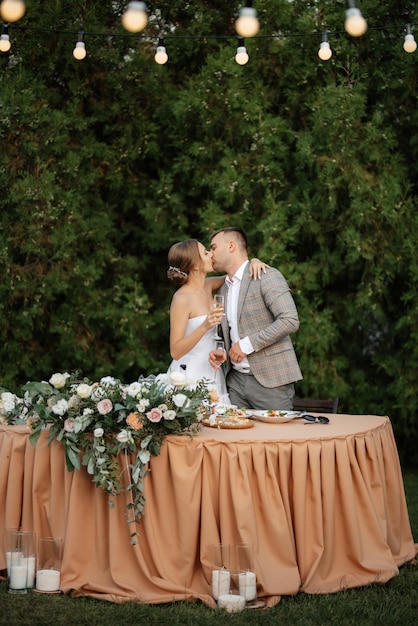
{"type": "Point", "coordinates": [97, 421]}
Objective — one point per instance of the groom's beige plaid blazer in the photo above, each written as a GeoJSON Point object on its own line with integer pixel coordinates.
{"type": "Point", "coordinates": [267, 315]}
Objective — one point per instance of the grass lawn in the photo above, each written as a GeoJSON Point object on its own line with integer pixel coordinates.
{"type": "Point", "coordinates": [396, 602]}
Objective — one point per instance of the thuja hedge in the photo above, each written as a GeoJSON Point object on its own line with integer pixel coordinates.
{"type": "Point", "coordinates": [107, 162]}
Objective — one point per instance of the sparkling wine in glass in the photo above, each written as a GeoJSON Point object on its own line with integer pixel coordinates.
{"type": "Point", "coordinates": [218, 302]}
{"type": "Point", "coordinates": [220, 355]}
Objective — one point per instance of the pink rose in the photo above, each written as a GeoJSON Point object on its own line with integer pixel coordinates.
{"type": "Point", "coordinates": [104, 406]}
{"type": "Point", "coordinates": [155, 415]}
{"type": "Point", "coordinates": [69, 425]}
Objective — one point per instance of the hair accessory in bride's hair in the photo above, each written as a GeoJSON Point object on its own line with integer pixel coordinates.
{"type": "Point", "coordinates": [178, 271]}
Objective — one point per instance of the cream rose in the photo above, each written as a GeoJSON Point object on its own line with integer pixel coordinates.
{"type": "Point", "coordinates": [123, 436]}
{"type": "Point", "coordinates": [178, 379]}
{"type": "Point", "coordinates": [58, 380]}
{"type": "Point", "coordinates": [84, 390]}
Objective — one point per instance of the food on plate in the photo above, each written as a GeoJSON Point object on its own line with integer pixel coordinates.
{"type": "Point", "coordinates": [225, 410]}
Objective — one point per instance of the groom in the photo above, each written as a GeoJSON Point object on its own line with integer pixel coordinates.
{"type": "Point", "coordinates": [259, 317]}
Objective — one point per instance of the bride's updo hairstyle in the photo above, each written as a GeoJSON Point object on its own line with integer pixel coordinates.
{"type": "Point", "coordinates": [182, 257]}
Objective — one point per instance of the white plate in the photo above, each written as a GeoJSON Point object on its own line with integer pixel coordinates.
{"type": "Point", "coordinates": [279, 417]}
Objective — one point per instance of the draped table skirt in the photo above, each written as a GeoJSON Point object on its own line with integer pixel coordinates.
{"type": "Point", "coordinates": [324, 506]}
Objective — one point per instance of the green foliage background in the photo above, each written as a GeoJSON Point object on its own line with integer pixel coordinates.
{"type": "Point", "coordinates": [107, 162]}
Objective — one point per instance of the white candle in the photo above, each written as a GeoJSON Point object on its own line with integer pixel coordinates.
{"type": "Point", "coordinates": [18, 576]}
{"type": "Point", "coordinates": [248, 586]}
{"type": "Point", "coordinates": [232, 603]}
{"type": "Point", "coordinates": [47, 580]}
{"type": "Point", "coordinates": [221, 582]}
{"type": "Point", "coordinates": [30, 561]}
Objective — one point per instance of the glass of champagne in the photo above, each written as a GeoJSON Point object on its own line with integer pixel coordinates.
{"type": "Point", "coordinates": [218, 302]}
{"type": "Point", "coordinates": [220, 355]}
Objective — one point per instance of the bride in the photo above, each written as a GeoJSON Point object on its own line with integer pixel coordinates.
{"type": "Point", "coordinates": [192, 316]}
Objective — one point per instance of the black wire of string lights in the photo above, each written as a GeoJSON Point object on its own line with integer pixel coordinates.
{"type": "Point", "coordinates": [135, 19]}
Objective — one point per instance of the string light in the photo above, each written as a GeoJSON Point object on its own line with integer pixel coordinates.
{"type": "Point", "coordinates": [135, 17]}
{"type": "Point", "coordinates": [79, 51]}
{"type": "Point", "coordinates": [355, 24]}
{"type": "Point", "coordinates": [241, 56]}
{"type": "Point", "coordinates": [324, 52]}
{"type": "Point", "coordinates": [5, 44]}
{"type": "Point", "coordinates": [353, 16]}
{"type": "Point", "coordinates": [247, 24]}
{"type": "Point", "coordinates": [409, 44]}
{"type": "Point", "coordinates": [12, 10]}
{"type": "Point", "coordinates": [161, 56]}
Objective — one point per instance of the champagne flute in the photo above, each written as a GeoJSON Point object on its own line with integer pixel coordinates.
{"type": "Point", "coordinates": [218, 302]}
{"type": "Point", "coordinates": [220, 355]}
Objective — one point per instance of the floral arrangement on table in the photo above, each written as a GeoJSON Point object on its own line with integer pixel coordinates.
{"type": "Point", "coordinates": [96, 421]}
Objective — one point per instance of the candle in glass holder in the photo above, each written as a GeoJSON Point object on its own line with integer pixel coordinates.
{"type": "Point", "coordinates": [247, 586]}
{"type": "Point", "coordinates": [31, 564]}
{"type": "Point", "coordinates": [18, 576]}
{"type": "Point", "coordinates": [48, 580]}
{"type": "Point", "coordinates": [221, 582]}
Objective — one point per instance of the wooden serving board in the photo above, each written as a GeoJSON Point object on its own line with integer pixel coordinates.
{"type": "Point", "coordinates": [231, 422]}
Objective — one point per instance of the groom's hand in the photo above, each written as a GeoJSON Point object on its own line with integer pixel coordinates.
{"type": "Point", "coordinates": [236, 354]}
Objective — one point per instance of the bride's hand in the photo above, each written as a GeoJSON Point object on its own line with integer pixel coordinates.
{"type": "Point", "coordinates": [215, 317]}
{"type": "Point", "coordinates": [257, 268]}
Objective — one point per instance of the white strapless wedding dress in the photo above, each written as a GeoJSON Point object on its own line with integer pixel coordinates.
{"type": "Point", "coordinates": [197, 360]}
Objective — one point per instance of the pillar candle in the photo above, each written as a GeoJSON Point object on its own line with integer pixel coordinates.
{"type": "Point", "coordinates": [248, 586]}
{"type": "Point", "coordinates": [231, 603]}
{"type": "Point", "coordinates": [18, 577]}
{"type": "Point", "coordinates": [221, 582]}
{"type": "Point", "coordinates": [31, 560]}
{"type": "Point", "coordinates": [47, 580]}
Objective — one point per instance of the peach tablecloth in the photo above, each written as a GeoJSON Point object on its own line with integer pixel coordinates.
{"type": "Point", "coordinates": [324, 506]}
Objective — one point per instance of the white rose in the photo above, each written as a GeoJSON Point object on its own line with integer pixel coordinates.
{"type": "Point", "coordinates": [142, 405]}
{"type": "Point", "coordinates": [60, 407]}
{"type": "Point", "coordinates": [123, 436]}
{"type": "Point", "coordinates": [98, 432]}
{"type": "Point", "coordinates": [169, 415]}
{"type": "Point", "coordinates": [58, 380]}
{"type": "Point", "coordinates": [181, 400]}
{"type": "Point", "coordinates": [84, 390]}
{"type": "Point", "coordinates": [162, 379]}
{"type": "Point", "coordinates": [134, 389]}
{"type": "Point", "coordinates": [178, 379]}
{"type": "Point", "coordinates": [108, 380]}
{"type": "Point", "coordinates": [7, 401]}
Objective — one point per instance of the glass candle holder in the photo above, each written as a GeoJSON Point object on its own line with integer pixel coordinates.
{"type": "Point", "coordinates": [9, 546]}
{"type": "Point", "coordinates": [48, 573]}
{"type": "Point", "coordinates": [221, 575]}
{"type": "Point", "coordinates": [247, 581]}
{"type": "Point", "coordinates": [22, 561]}
{"type": "Point", "coordinates": [29, 554]}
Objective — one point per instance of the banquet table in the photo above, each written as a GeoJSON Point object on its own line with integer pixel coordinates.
{"type": "Point", "coordinates": [323, 505]}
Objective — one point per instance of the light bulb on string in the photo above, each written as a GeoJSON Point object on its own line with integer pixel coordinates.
{"type": "Point", "coordinates": [5, 44]}
{"type": "Point", "coordinates": [409, 44]}
{"type": "Point", "coordinates": [325, 52]}
{"type": "Point", "coordinates": [354, 24]}
{"type": "Point", "coordinates": [161, 56]}
{"type": "Point", "coordinates": [12, 10]}
{"type": "Point", "coordinates": [135, 17]}
{"type": "Point", "coordinates": [247, 24]}
{"type": "Point", "coordinates": [241, 56]}
{"type": "Point", "coordinates": [80, 51]}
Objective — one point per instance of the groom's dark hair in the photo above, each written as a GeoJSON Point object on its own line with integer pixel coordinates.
{"type": "Point", "coordinates": [239, 233]}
